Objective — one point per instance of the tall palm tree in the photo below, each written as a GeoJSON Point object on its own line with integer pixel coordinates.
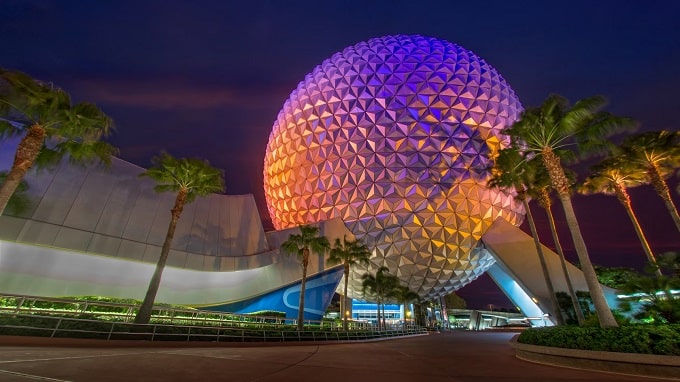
{"type": "Point", "coordinates": [348, 253]}
{"type": "Point", "coordinates": [658, 155]}
{"type": "Point", "coordinates": [556, 132]}
{"type": "Point", "coordinates": [541, 193]}
{"type": "Point", "coordinates": [403, 295]}
{"type": "Point", "coordinates": [379, 286]}
{"type": "Point", "coordinates": [302, 244]}
{"type": "Point", "coordinates": [50, 127]}
{"type": "Point", "coordinates": [512, 171]}
{"type": "Point", "coordinates": [189, 178]}
{"type": "Point", "coordinates": [615, 175]}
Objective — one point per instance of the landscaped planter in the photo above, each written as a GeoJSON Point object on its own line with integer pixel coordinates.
{"type": "Point", "coordinates": [649, 365]}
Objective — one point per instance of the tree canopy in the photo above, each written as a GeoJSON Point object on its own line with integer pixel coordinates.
{"type": "Point", "coordinates": [50, 128]}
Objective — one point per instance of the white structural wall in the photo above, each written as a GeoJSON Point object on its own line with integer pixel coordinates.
{"type": "Point", "coordinates": [518, 271]}
{"type": "Point", "coordinates": [116, 213]}
{"type": "Point", "coordinates": [99, 231]}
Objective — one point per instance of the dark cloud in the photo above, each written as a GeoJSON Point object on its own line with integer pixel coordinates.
{"type": "Point", "coordinates": [156, 95]}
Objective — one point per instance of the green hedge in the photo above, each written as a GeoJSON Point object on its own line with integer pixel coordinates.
{"type": "Point", "coordinates": [78, 301]}
{"type": "Point", "coordinates": [643, 339]}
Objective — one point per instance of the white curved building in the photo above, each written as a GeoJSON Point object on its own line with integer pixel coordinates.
{"type": "Point", "coordinates": [97, 231]}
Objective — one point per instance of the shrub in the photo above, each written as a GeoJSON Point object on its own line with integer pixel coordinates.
{"type": "Point", "coordinates": [644, 339]}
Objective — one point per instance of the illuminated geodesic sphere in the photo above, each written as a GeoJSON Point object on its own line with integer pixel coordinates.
{"type": "Point", "coordinates": [394, 135]}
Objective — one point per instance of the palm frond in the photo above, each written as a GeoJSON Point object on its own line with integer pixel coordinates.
{"type": "Point", "coordinates": [195, 176]}
{"type": "Point", "coordinates": [572, 133]}
{"type": "Point", "coordinates": [48, 158]}
{"type": "Point", "coordinates": [659, 149]}
{"type": "Point", "coordinates": [611, 173]}
{"type": "Point", "coordinates": [72, 130]}
{"type": "Point", "coordinates": [581, 113]}
{"type": "Point", "coordinates": [592, 139]}
{"type": "Point", "coordinates": [87, 153]}
{"type": "Point", "coordinates": [20, 202]}
{"type": "Point", "coordinates": [9, 129]}
{"type": "Point", "coordinates": [308, 238]}
{"type": "Point", "coordinates": [350, 252]}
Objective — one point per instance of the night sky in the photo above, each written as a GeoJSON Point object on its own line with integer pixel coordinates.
{"type": "Point", "coordinates": [207, 78]}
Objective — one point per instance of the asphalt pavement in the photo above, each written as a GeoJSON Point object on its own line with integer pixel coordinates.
{"type": "Point", "coordinates": [452, 356]}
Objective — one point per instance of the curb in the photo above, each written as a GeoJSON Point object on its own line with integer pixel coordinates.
{"type": "Point", "coordinates": [644, 365]}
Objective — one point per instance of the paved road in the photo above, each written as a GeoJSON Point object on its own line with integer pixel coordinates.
{"type": "Point", "coordinates": [457, 357]}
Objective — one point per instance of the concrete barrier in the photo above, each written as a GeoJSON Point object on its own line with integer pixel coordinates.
{"type": "Point", "coordinates": [647, 365]}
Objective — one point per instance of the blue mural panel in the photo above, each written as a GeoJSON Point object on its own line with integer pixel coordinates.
{"type": "Point", "coordinates": [318, 294]}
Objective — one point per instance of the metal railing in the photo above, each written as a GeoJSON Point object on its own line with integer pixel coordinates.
{"type": "Point", "coordinates": [67, 327]}
{"type": "Point", "coordinates": [109, 321]}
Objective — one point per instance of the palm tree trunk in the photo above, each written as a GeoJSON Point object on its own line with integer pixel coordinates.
{"type": "Point", "coordinates": [417, 313]}
{"type": "Point", "coordinates": [445, 314]}
{"type": "Point", "coordinates": [303, 284]}
{"type": "Point", "coordinates": [547, 205]}
{"type": "Point", "coordinates": [403, 326]}
{"type": "Point", "coordinates": [144, 314]}
{"type": "Point", "coordinates": [384, 324]}
{"type": "Point", "coordinates": [377, 314]}
{"type": "Point", "coordinates": [541, 257]}
{"type": "Point", "coordinates": [26, 153]}
{"type": "Point", "coordinates": [343, 300]}
{"type": "Point", "coordinates": [662, 189]}
{"type": "Point", "coordinates": [624, 198]}
{"type": "Point", "coordinates": [561, 186]}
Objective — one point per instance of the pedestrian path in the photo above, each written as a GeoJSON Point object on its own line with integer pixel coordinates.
{"type": "Point", "coordinates": [446, 356]}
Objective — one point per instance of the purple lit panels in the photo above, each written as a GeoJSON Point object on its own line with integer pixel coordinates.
{"type": "Point", "coordinates": [394, 135]}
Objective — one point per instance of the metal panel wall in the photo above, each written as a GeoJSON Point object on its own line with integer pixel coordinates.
{"type": "Point", "coordinates": [114, 212]}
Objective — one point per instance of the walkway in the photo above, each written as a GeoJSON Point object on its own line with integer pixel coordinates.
{"type": "Point", "coordinates": [456, 356]}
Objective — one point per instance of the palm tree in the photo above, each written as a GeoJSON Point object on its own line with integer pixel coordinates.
{"type": "Point", "coordinates": [555, 132]}
{"type": "Point", "coordinates": [302, 244]}
{"type": "Point", "coordinates": [658, 155]}
{"type": "Point", "coordinates": [541, 193]}
{"type": "Point", "coordinates": [511, 170]}
{"type": "Point", "coordinates": [379, 287]}
{"type": "Point", "coordinates": [403, 295]}
{"type": "Point", "coordinates": [613, 176]}
{"type": "Point", "coordinates": [348, 253]}
{"type": "Point", "coordinates": [190, 178]}
{"type": "Point", "coordinates": [50, 127]}
{"type": "Point", "coordinates": [454, 301]}
{"type": "Point", "coordinates": [660, 303]}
